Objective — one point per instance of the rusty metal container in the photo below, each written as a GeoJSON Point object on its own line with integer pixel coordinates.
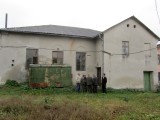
{"type": "Point", "coordinates": [41, 76]}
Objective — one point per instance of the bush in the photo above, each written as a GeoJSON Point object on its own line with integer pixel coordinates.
{"type": "Point", "coordinates": [12, 83]}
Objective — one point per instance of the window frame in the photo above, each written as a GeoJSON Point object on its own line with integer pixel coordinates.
{"type": "Point", "coordinates": [148, 50]}
{"type": "Point", "coordinates": [81, 67]}
{"type": "Point", "coordinates": [58, 58]}
{"type": "Point", "coordinates": [32, 57]}
{"type": "Point", "coordinates": [125, 49]}
{"type": "Point", "coordinates": [147, 53]}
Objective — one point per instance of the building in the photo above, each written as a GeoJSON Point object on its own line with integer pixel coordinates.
{"type": "Point", "coordinates": [132, 59]}
{"type": "Point", "coordinates": [126, 52]}
{"type": "Point", "coordinates": [46, 45]}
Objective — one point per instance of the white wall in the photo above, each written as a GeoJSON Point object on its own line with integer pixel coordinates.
{"type": "Point", "coordinates": [16, 50]}
{"type": "Point", "coordinates": [128, 73]}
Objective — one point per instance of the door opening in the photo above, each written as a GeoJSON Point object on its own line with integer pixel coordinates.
{"type": "Point", "coordinates": [99, 75]}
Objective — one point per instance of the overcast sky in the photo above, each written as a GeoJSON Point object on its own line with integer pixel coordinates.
{"type": "Point", "coordinates": [92, 14]}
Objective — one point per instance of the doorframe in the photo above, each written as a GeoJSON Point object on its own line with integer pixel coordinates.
{"type": "Point", "coordinates": [99, 77]}
{"type": "Point", "coordinates": [150, 80]}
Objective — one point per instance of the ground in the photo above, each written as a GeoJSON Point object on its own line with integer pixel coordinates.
{"type": "Point", "coordinates": [22, 103]}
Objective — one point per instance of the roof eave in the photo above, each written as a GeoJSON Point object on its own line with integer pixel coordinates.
{"type": "Point", "coordinates": [50, 34]}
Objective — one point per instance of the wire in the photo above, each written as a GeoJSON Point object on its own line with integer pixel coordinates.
{"type": "Point", "coordinates": [137, 51]}
{"type": "Point", "coordinates": [43, 48]}
{"type": "Point", "coordinates": [157, 11]}
{"type": "Point", "coordinates": [79, 51]}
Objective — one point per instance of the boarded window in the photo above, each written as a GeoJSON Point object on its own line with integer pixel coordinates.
{"type": "Point", "coordinates": [57, 57]}
{"type": "Point", "coordinates": [147, 47]}
{"type": "Point", "coordinates": [31, 57]}
{"type": "Point", "coordinates": [80, 61]}
{"type": "Point", "coordinates": [125, 49]}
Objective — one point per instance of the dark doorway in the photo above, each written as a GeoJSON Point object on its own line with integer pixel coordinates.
{"type": "Point", "coordinates": [99, 75]}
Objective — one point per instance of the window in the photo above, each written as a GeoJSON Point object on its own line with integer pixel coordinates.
{"type": "Point", "coordinates": [158, 59]}
{"type": "Point", "coordinates": [31, 57]}
{"type": "Point", "coordinates": [80, 61]}
{"type": "Point", "coordinates": [158, 50]}
{"type": "Point", "coordinates": [125, 49]}
{"type": "Point", "coordinates": [57, 57]}
{"type": "Point", "coordinates": [147, 47]}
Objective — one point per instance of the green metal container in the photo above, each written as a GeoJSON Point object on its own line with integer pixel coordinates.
{"type": "Point", "coordinates": [41, 76]}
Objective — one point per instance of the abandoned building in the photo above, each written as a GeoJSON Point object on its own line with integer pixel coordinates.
{"type": "Point", "coordinates": [126, 52]}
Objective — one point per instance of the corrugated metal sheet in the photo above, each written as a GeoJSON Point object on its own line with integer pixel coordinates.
{"type": "Point", "coordinates": [42, 76]}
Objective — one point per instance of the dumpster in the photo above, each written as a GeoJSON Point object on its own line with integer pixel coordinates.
{"type": "Point", "coordinates": [42, 76]}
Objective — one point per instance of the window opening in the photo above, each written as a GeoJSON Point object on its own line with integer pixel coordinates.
{"type": "Point", "coordinates": [80, 61]}
{"type": "Point", "coordinates": [31, 57]}
{"type": "Point", "coordinates": [57, 57]}
{"type": "Point", "coordinates": [125, 49]}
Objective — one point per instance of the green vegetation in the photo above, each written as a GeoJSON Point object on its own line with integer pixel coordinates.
{"type": "Point", "coordinates": [12, 83]}
{"type": "Point", "coordinates": [23, 103]}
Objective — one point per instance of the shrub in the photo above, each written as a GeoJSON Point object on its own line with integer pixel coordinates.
{"type": "Point", "coordinates": [12, 83]}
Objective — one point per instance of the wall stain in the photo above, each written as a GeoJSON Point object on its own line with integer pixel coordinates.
{"type": "Point", "coordinates": [72, 44]}
{"type": "Point", "coordinates": [18, 73]}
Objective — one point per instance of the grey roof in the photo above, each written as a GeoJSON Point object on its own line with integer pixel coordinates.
{"type": "Point", "coordinates": [55, 30]}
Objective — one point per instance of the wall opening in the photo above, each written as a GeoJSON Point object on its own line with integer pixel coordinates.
{"type": "Point", "coordinates": [31, 57]}
{"type": "Point", "coordinates": [148, 78]}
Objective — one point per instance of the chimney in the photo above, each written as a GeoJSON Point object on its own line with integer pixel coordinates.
{"type": "Point", "coordinates": [6, 20]}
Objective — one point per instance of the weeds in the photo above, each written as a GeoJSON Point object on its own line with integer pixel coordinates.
{"type": "Point", "coordinates": [19, 108]}
{"type": "Point", "coordinates": [12, 83]}
{"type": "Point", "coordinates": [24, 103]}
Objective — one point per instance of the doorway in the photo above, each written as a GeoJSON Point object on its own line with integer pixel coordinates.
{"type": "Point", "coordinates": [99, 75]}
{"type": "Point", "coordinates": [148, 76]}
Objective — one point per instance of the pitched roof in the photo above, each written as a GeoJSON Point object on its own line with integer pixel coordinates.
{"type": "Point", "coordinates": [134, 18]}
{"type": "Point", "coordinates": [55, 30]}
{"type": "Point", "coordinates": [68, 31]}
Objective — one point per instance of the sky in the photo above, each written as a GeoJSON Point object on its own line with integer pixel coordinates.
{"type": "Point", "coordinates": [93, 14]}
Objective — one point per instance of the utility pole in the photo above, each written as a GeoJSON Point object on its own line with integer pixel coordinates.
{"type": "Point", "coordinates": [6, 20]}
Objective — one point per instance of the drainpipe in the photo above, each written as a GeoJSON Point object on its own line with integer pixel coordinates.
{"type": "Point", "coordinates": [102, 41]}
{"type": "Point", "coordinates": [109, 54]}
{"type": "Point", "coordinates": [109, 62]}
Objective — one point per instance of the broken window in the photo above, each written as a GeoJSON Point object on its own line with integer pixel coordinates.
{"type": "Point", "coordinates": [31, 57]}
{"type": "Point", "coordinates": [147, 47]}
{"type": "Point", "coordinates": [57, 57]}
{"type": "Point", "coordinates": [125, 49]}
{"type": "Point", "coordinates": [80, 61]}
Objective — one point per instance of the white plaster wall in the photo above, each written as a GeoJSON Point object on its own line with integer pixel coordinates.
{"type": "Point", "coordinates": [18, 43]}
{"type": "Point", "coordinates": [128, 73]}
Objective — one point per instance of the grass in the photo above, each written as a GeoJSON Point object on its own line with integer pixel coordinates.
{"type": "Point", "coordinates": [22, 103]}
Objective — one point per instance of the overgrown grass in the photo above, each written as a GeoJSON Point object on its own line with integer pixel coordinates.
{"type": "Point", "coordinates": [23, 103]}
